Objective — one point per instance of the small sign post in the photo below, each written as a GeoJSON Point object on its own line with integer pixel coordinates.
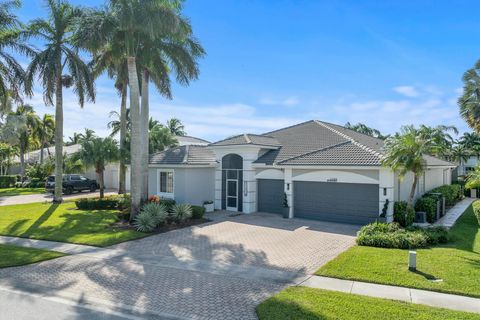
{"type": "Point", "coordinates": [412, 260]}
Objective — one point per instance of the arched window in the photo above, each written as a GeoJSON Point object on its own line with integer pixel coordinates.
{"type": "Point", "coordinates": [232, 161]}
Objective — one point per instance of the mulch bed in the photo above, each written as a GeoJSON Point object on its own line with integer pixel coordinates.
{"type": "Point", "coordinates": [125, 225]}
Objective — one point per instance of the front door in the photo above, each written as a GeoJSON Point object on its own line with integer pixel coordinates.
{"type": "Point", "coordinates": [232, 195]}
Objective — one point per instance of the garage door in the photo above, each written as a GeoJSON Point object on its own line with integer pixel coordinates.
{"type": "Point", "coordinates": [339, 202]}
{"type": "Point", "coordinates": [270, 195]}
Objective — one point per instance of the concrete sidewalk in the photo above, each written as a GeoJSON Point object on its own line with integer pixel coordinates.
{"type": "Point", "coordinates": [452, 215]}
{"type": "Point", "coordinates": [430, 298]}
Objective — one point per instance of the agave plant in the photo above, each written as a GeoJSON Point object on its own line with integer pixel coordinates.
{"type": "Point", "coordinates": [144, 222]}
{"type": "Point", "coordinates": [157, 211]}
{"type": "Point", "coordinates": [182, 212]}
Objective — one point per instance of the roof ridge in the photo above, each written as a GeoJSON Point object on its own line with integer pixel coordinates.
{"type": "Point", "coordinates": [293, 125]}
{"type": "Point", "coordinates": [245, 135]}
{"type": "Point", "coordinates": [349, 138]}
{"type": "Point", "coordinates": [363, 134]}
{"type": "Point", "coordinates": [185, 157]}
{"type": "Point", "coordinates": [227, 138]}
{"type": "Point", "coordinates": [318, 150]}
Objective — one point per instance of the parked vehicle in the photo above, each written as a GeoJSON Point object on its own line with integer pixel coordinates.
{"type": "Point", "coordinates": [71, 183]}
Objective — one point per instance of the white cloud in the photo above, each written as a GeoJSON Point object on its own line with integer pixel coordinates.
{"type": "Point", "coordinates": [408, 91]}
{"type": "Point", "coordinates": [288, 101]}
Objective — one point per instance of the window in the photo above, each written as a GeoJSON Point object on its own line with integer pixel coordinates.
{"type": "Point", "coordinates": [75, 178]}
{"type": "Point", "coordinates": [165, 182]}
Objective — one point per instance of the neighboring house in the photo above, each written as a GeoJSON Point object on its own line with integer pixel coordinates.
{"type": "Point", "coordinates": [326, 171]}
{"type": "Point", "coordinates": [111, 174]}
{"type": "Point", "coordinates": [466, 166]}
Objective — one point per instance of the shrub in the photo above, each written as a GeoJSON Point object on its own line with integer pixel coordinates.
{"type": "Point", "coordinates": [452, 193]}
{"type": "Point", "coordinates": [429, 205]}
{"type": "Point", "coordinates": [182, 212]}
{"type": "Point", "coordinates": [145, 222]}
{"type": "Point", "coordinates": [403, 213]}
{"type": "Point", "coordinates": [18, 184]}
{"type": "Point", "coordinates": [106, 203]}
{"type": "Point", "coordinates": [169, 203]}
{"type": "Point", "coordinates": [157, 211]}
{"type": "Point", "coordinates": [197, 212]}
{"type": "Point", "coordinates": [7, 181]}
{"type": "Point", "coordinates": [386, 235]}
{"type": "Point", "coordinates": [476, 210]}
{"type": "Point", "coordinates": [38, 171]}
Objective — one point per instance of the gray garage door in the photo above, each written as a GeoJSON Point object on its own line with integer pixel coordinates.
{"type": "Point", "coordinates": [270, 195]}
{"type": "Point", "coordinates": [339, 202]}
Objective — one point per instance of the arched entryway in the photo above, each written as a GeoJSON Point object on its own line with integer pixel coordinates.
{"type": "Point", "coordinates": [232, 186]}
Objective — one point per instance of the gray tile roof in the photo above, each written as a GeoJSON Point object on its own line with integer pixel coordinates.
{"type": "Point", "coordinates": [189, 140]}
{"type": "Point", "coordinates": [184, 155]}
{"type": "Point", "coordinates": [433, 161]}
{"type": "Point", "coordinates": [248, 138]}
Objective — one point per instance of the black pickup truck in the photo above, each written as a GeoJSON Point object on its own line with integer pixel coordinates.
{"type": "Point", "coordinates": [71, 183]}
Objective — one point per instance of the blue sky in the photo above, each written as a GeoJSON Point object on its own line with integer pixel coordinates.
{"type": "Point", "coordinates": [272, 63]}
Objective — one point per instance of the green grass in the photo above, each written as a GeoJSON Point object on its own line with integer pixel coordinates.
{"type": "Point", "coordinates": [63, 223]}
{"type": "Point", "coordinates": [8, 192]}
{"type": "Point", "coordinates": [306, 303]}
{"type": "Point", "coordinates": [12, 256]}
{"type": "Point", "coordinates": [457, 264]}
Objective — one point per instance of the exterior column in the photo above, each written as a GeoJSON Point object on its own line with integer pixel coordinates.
{"type": "Point", "coordinates": [288, 188]}
{"type": "Point", "coordinates": [218, 187]}
{"type": "Point", "coordinates": [249, 184]}
{"type": "Point", "coordinates": [386, 191]}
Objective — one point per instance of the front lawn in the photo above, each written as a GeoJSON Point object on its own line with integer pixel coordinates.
{"type": "Point", "coordinates": [8, 192]}
{"type": "Point", "coordinates": [12, 256]}
{"type": "Point", "coordinates": [64, 223]}
{"type": "Point", "coordinates": [456, 264]}
{"type": "Point", "coordinates": [307, 303]}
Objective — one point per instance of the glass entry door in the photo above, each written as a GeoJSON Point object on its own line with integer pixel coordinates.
{"type": "Point", "coordinates": [232, 195]}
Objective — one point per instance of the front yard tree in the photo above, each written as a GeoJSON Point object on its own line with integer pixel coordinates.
{"type": "Point", "coordinates": [45, 131]}
{"type": "Point", "coordinates": [469, 101]}
{"type": "Point", "coordinates": [97, 153]}
{"type": "Point", "coordinates": [59, 54]}
{"type": "Point", "coordinates": [176, 127]}
{"type": "Point", "coordinates": [404, 153]}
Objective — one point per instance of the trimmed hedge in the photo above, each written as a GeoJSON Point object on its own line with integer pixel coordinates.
{"type": "Point", "coordinates": [476, 210]}
{"type": "Point", "coordinates": [197, 212]}
{"type": "Point", "coordinates": [391, 235]}
{"type": "Point", "coordinates": [403, 213]}
{"type": "Point", "coordinates": [7, 181]}
{"type": "Point", "coordinates": [429, 206]}
{"type": "Point", "coordinates": [106, 203]}
{"type": "Point", "coordinates": [452, 193]}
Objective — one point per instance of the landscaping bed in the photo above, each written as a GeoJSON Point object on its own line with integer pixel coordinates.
{"type": "Point", "coordinates": [307, 303]}
{"type": "Point", "coordinates": [451, 268]}
{"type": "Point", "coordinates": [12, 256]}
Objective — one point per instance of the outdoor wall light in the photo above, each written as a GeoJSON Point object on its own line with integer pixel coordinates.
{"type": "Point", "coordinates": [288, 186]}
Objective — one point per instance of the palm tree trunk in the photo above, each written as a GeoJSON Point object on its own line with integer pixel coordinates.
{"type": "Point", "coordinates": [101, 181]}
{"type": "Point", "coordinates": [135, 144]}
{"type": "Point", "coordinates": [41, 151]}
{"type": "Point", "coordinates": [57, 198]}
{"type": "Point", "coordinates": [123, 135]}
{"type": "Point", "coordinates": [144, 115]}
{"type": "Point", "coordinates": [22, 162]}
{"type": "Point", "coordinates": [412, 191]}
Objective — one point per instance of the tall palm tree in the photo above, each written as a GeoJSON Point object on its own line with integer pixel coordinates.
{"type": "Point", "coordinates": [469, 101]}
{"type": "Point", "coordinates": [440, 136]}
{"type": "Point", "coordinates": [176, 127]}
{"type": "Point", "coordinates": [12, 74]}
{"type": "Point", "coordinates": [97, 153]}
{"type": "Point", "coordinates": [88, 135]}
{"type": "Point", "coordinates": [459, 154]}
{"type": "Point", "coordinates": [7, 152]}
{"type": "Point", "coordinates": [74, 139]}
{"type": "Point", "coordinates": [363, 128]}
{"type": "Point", "coordinates": [470, 140]}
{"type": "Point", "coordinates": [45, 131]}
{"type": "Point", "coordinates": [59, 54]}
{"type": "Point", "coordinates": [21, 129]}
{"type": "Point", "coordinates": [404, 153]}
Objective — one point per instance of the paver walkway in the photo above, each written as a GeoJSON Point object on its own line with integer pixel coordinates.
{"type": "Point", "coordinates": [451, 216]}
{"type": "Point", "coordinates": [430, 298]}
{"type": "Point", "coordinates": [218, 270]}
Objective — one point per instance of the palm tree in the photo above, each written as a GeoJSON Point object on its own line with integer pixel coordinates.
{"type": "Point", "coordinates": [176, 127]}
{"type": "Point", "coordinates": [404, 153]}
{"type": "Point", "coordinates": [469, 101]}
{"type": "Point", "coordinates": [97, 153]}
{"type": "Point", "coordinates": [470, 140]}
{"type": "Point", "coordinates": [88, 135]}
{"type": "Point", "coordinates": [21, 129]}
{"type": "Point", "coordinates": [363, 128]}
{"type": "Point", "coordinates": [160, 138]}
{"type": "Point", "coordinates": [75, 139]}
{"type": "Point", "coordinates": [459, 154]}
{"type": "Point", "coordinates": [440, 136]}
{"type": "Point", "coordinates": [7, 152]}
{"type": "Point", "coordinates": [58, 55]}
{"type": "Point", "coordinates": [12, 74]}
{"type": "Point", "coordinates": [45, 131]}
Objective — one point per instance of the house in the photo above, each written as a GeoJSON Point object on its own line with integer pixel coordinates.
{"type": "Point", "coordinates": [325, 171]}
{"type": "Point", "coordinates": [466, 166]}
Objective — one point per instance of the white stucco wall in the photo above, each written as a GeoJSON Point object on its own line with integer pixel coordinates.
{"type": "Point", "coordinates": [434, 177]}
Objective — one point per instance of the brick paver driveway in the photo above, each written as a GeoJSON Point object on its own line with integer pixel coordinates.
{"type": "Point", "coordinates": [218, 270]}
